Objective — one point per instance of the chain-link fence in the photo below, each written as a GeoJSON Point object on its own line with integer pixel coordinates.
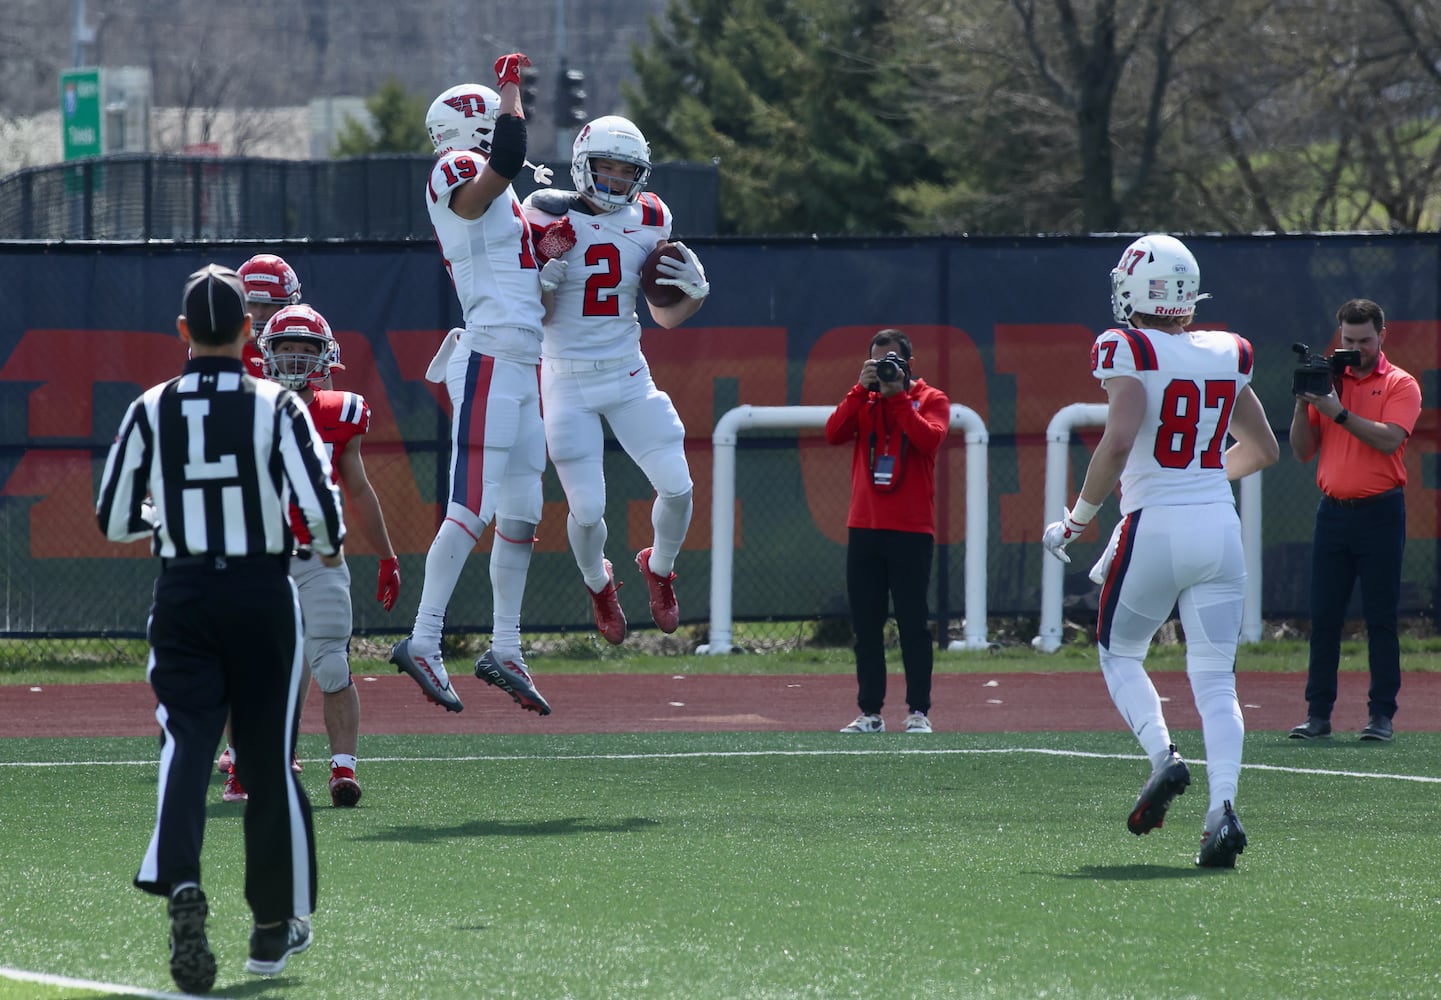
{"type": "Point", "coordinates": [132, 196]}
{"type": "Point", "coordinates": [87, 327]}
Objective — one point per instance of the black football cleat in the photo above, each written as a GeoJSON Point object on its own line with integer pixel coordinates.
{"type": "Point", "coordinates": [1164, 784]}
{"type": "Point", "coordinates": [1220, 847]}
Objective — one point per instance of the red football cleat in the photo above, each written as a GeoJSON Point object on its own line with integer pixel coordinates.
{"type": "Point", "coordinates": [663, 607]}
{"type": "Point", "coordinates": [609, 618]}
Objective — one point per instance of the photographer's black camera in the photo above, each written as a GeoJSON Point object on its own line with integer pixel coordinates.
{"type": "Point", "coordinates": [1315, 374]}
{"type": "Point", "coordinates": [892, 368]}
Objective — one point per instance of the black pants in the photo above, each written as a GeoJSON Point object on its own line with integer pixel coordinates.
{"type": "Point", "coordinates": [881, 567]}
{"type": "Point", "coordinates": [228, 641]}
{"type": "Point", "coordinates": [1350, 545]}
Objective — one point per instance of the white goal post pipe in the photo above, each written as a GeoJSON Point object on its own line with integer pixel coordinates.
{"type": "Point", "coordinates": [1058, 444]}
{"type": "Point", "coordinates": [751, 418]}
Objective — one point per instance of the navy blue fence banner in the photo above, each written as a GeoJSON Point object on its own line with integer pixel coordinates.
{"type": "Point", "coordinates": [1003, 325]}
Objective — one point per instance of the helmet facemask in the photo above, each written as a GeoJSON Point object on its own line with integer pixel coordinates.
{"type": "Point", "coordinates": [289, 364]}
{"type": "Point", "coordinates": [292, 367]}
{"type": "Point", "coordinates": [610, 138]}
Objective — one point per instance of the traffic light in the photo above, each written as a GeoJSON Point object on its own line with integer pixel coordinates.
{"type": "Point", "coordinates": [570, 99]}
{"type": "Point", "coordinates": [528, 93]}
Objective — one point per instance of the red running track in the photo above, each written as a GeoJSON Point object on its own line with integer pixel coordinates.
{"type": "Point", "coordinates": [970, 703]}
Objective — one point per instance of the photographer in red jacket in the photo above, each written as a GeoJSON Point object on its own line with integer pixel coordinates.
{"type": "Point", "coordinates": [897, 424]}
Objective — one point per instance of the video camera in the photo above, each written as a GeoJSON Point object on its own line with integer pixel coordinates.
{"type": "Point", "coordinates": [1315, 374]}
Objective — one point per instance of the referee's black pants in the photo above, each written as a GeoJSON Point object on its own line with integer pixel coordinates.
{"type": "Point", "coordinates": [229, 641]}
{"type": "Point", "coordinates": [885, 567]}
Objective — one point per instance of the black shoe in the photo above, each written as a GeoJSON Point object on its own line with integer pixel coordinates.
{"type": "Point", "coordinates": [1164, 784]}
{"type": "Point", "coordinates": [1379, 728]}
{"type": "Point", "coordinates": [271, 946]}
{"type": "Point", "coordinates": [1220, 847]}
{"type": "Point", "coordinates": [1312, 729]}
{"type": "Point", "coordinates": [192, 963]}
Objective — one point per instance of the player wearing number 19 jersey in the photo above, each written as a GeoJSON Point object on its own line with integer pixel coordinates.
{"type": "Point", "coordinates": [1175, 396]}
{"type": "Point", "coordinates": [489, 369]}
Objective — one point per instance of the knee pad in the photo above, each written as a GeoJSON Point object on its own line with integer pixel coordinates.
{"type": "Point", "coordinates": [515, 531]}
{"type": "Point", "coordinates": [667, 470]}
{"type": "Point", "coordinates": [1119, 670]}
{"type": "Point", "coordinates": [329, 658]}
{"type": "Point", "coordinates": [586, 509]}
{"type": "Point", "coordinates": [465, 517]}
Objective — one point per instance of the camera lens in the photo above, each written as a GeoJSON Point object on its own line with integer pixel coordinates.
{"type": "Point", "coordinates": [887, 370]}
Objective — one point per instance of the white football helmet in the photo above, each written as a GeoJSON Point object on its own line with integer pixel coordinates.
{"type": "Point", "coordinates": [610, 138]}
{"type": "Point", "coordinates": [1157, 276]}
{"type": "Point", "coordinates": [463, 118]}
{"type": "Point", "coordinates": [292, 368]}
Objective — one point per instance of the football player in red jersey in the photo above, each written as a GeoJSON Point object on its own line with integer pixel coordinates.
{"type": "Point", "coordinates": [299, 351]}
{"type": "Point", "coordinates": [270, 285]}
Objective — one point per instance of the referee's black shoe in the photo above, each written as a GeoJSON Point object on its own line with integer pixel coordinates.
{"type": "Point", "coordinates": [192, 963]}
{"type": "Point", "coordinates": [1312, 729]}
{"type": "Point", "coordinates": [271, 947]}
{"type": "Point", "coordinates": [1164, 784]}
{"type": "Point", "coordinates": [428, 672]}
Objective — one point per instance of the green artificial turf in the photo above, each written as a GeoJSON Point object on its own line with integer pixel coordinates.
{"type": "Point", "coordinates": [760, 865]}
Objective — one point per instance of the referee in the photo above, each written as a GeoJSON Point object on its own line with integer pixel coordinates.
{"type": "Point", "coordinates": [206, 465]}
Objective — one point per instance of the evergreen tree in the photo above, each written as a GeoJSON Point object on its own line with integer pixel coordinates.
{"type": "Point", "coordinates": [800, 104]}
{"type": "Point", "coordinates": [397, 125]}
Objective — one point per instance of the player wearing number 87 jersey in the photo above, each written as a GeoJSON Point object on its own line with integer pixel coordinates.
{"type": "Point", "coordinates": [1174, 397]}
{"type": "Point", "coordinates": [497, 450]}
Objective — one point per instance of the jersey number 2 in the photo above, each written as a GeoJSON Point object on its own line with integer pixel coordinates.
{"type": "Point", "coordinates": [1181, 406]}
{"type": "Point", "coordinates": [600, 296]}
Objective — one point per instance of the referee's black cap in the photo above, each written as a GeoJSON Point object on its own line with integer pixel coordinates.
{"type": "Point", "coordinates": [214, 304]}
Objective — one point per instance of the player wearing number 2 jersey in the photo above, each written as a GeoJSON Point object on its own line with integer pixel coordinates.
{"type": "Point", "coordinates": [597, 238]}
{"type": "Point", "coordinates": [1175, 395]}
{"type": "Point", "coordinates": [489, 368]}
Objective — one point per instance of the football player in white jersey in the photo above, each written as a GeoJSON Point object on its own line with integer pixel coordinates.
{"type": "Point", "coordinates": [490, 369]}
{"type": "Point", "coordinates": [1174, 397]}
{"type": "Point", "coordinates": [596, 238]}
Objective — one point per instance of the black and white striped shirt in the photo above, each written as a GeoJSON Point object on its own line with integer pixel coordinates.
{"type": "Point", "coordinates": [220, 455]}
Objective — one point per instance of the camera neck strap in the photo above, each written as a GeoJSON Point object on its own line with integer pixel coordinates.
{"type": "Point", "coordinates": [890, 470]}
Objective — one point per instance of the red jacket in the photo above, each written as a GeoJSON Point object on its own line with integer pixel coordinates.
{"type": "Point", "coordinates": [910, 427]}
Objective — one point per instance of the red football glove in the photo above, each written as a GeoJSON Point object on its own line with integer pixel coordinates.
{"type": "Point", "coordinates": [508, 67]}
{"type": "Point", "coordinates": [556, 239]}
{"type": "Point", "coordinates": [387, 588]}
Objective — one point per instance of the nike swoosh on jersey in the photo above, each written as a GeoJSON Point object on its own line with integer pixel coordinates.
{"type": "Point", "coordinates": [636, 372]}
{"type": "Point", "coordinates": [629, 231]}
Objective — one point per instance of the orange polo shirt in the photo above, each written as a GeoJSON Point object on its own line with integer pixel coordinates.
{"type": "Point", "coordinates": [1348, 469]}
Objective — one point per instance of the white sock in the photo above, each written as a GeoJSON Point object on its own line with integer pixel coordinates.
{"type": "Point", "coordinates": [1224, 730]}
{"type": "Point", "coordinates": [343, 760]}
{"type": "Point", "coordinates": [587, 542]}
{"type": "Point", "coordinates": [509, 565]}
{"type": "Point", "coordinates": [443, 563]}
{"type": "Point", "coordinates": [669, 520]}
{"type": "Point", "coordinates": [1136, 699]}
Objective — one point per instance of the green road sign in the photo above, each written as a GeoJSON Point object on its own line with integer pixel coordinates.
{"type": "Point", "coordinates": [80, 116]}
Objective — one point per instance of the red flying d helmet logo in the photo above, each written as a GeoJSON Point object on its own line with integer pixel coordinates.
{"type": "Point", "coordinates": [468, 105]}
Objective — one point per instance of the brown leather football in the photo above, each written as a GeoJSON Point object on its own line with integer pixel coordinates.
{"type": "Point", "coordinates": [659, 295]}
